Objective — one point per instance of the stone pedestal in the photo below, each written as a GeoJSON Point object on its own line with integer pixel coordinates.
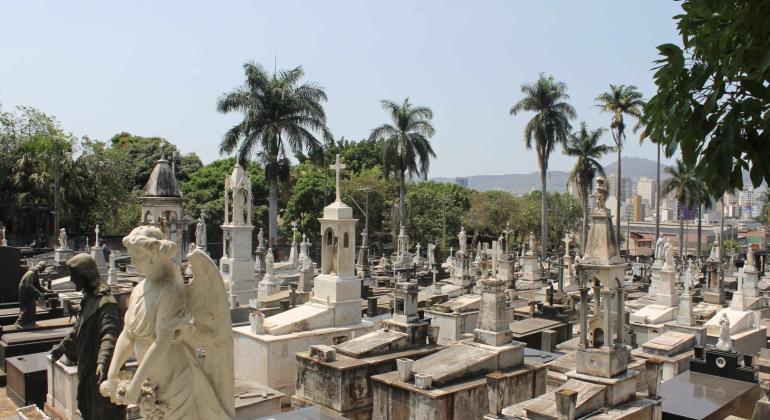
{"type": "Point", "coordinates": [530, 267]}
{"type": "Point", "coordinates": [685, 311]}
{"type": "Point", "coordinates": [664, 288]}
{"type": "Point", "coordinates": [268, 286]}
{"type": "Point", "coordinates": [62, 390]}
{"type": "Point", "coordinates": [97, 252]}
{"type": "Point", "coordinates": [61, 255]}
{"type": "Point", "coordinates": [237, 263]}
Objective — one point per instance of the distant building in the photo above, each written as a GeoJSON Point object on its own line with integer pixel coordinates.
{"type": "Point", "coordinates": [462, 181]}
{"type": "Point", "coordinates": [638, 209]}
{"type": "Point", "coordinates": [645, 188]}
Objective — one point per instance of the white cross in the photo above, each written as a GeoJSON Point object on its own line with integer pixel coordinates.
{"type": "Point", "coordinates": [338, 167]}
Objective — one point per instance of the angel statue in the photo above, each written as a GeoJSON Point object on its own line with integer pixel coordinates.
{"type": "Point", "coordinates": [180, 334]}
{"type": "Point", "coordinates": [600, 194]}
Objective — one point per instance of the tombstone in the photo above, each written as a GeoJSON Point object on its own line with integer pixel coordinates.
{"type": "Point", "coordinates": [237, 263]}
{"type": "Point", "coordinates": [332, 314]}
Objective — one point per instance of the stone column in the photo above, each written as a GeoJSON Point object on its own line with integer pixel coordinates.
{"type": "Point", "coordinates": [606, 315]}
{"type": "Point", "coordinates": [620, 317]}
{"type": "Point", "coordinates": [583, 317]}
{"type": "Point", "coordinates": [561, 275]}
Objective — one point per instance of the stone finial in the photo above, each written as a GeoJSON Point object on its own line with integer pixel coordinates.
{"type": "Point", "coordinates": [566, 400]}
{"type": "Point", "coordinates": [654, 372]}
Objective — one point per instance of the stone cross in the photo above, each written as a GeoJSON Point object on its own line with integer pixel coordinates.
{"type": "Point", "coordinates": [567, 240]}
{"type": "Point", "coordinates": [96, 230]}
{"type": "Point", "coordinates": [337, 167]}
{"type": "Point", "coordinates": [293, 231]}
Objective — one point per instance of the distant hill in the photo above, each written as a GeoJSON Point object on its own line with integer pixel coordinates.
{"type": "Point", "coordinates": [633, 168]}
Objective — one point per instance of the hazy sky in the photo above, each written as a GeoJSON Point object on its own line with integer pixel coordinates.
{"type": "Point", "coordinates": [157, 68]}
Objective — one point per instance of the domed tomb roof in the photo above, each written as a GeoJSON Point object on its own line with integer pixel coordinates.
{"type": "Point", "coordinates": [162, 182]}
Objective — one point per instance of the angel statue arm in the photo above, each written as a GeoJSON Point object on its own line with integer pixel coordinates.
{"type": "Point", "coordinates": [124, 347]}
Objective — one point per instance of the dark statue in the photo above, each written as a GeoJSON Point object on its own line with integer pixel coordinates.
{"type": "Point", "coordinates": [30, 291]}
{"type": "Point", "coordinates": [91, 341]}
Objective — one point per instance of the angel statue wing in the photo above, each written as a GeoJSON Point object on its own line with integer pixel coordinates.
{"type": "Point", "coordinates": [213, 335]}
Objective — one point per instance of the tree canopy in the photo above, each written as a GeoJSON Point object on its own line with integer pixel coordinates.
{"type": "Point", "coordinates": [713, 98]}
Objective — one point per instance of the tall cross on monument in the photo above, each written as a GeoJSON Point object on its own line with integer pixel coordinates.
{"type": "Point", "coordinates": [293, 230]}
{"type": "Point", "coordinates": [338, 167]}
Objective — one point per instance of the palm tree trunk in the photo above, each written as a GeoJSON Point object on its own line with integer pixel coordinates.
{"type": "Point", "coordinates": [585, 222]}
{"type": "Point", "coordinates": [657, 200]}
{"type": "Point", "coordinates": [543, 214]}
{"type": "Point", "coordinates": [697, 252]}
{"type": "Point", "coordinates": [272, 238]}
{"type": "Point", "coordinates": [619, 193]}
{"type": "Point", "coordinates": [681, 233]}
{"type": "Point", "coordinates": [402, 199]}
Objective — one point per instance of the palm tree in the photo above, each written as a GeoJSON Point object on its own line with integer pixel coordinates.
{"type": "Point", "coordinates": [406, 148]}
{"type": "Point", "coordinates": [689, 191]}
{"type": "Point", "coordinates": [550, 126]}
{"type": "Point", "coordinates": [704, 203]}
{"type": "Point", "coordinates": [275, 109]}
{"type": "Point", "coordinates": [641, 125]}
{"type": "Point", "coordinates": [584, 145]}
{"type": "Point", "coordinates": [620, 100]}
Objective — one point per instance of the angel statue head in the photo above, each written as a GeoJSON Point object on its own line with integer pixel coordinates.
{"type": "Point", "coordinates": [149, 249]}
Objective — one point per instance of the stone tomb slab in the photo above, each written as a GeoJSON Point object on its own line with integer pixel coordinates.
{"type": "Point", "coordinates": [590, 397]}
{"type": "Point", "coordinates": [468, 359]}
{"type": "Point", "coordinates": [655, 314]}
{"type": "Point", "coordinates": [698, 396]}
{"type": "Point", "coordinates": [253, 400]}
{"type": "Point", "coordinates": [370, 342]}
{"type": "Point", "coordinates": [28, 342]}
{"type": "Point", "coordinates": [669, 343]}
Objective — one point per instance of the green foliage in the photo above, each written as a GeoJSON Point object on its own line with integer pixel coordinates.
{"type": "Point", "coordinates": [564, 216]}
{"type": "Point", "coordinates": [619, 101]}
{"type": "Point", "coordinates": [205, 191]}
{"type": "Point", "coordinates": [382, 193]}
{"type": "Point", "coordinates": [357, 155]}
{"type": "Point", "coordinates": [491, 211]}
{"type": "Point", "coordinates": [429, 203]}
{"type": "Point", "coordinates": [713, 98]}
{"type": "Point", "coordinates": [731, 245]}
{"type": "Point", "coordinates": [139, 154]}
{"type": "Point", "coordinates": [309, 194]}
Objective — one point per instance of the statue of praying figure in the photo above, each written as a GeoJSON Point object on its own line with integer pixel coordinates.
{"type": "Point", "coordinates": [462, 237]}
{"type": "Point", "coordinates": [200, 232]}
{"type": "Point", "coordinates": [668, 255]}
{"type": "Point", "coordinates": [261, 239]}
{"type": "Point", "coordinates": [91, 342]}
{"type": "Point", "coordinates": [269, 262]}
{"type": "Point", "coordinates": [725, 342]}
{"type": "Point", "coordinates": [181, 335]}
{"type": "Point", "coordinates": [30, 291]}
{"type": "Point", "coordinates": [531, 242]}
{"type": "Point", "coordinates": [62, 238]}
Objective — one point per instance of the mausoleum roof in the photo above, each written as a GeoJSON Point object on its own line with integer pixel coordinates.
{"type": "Point", "coordinates": [162, 182]}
